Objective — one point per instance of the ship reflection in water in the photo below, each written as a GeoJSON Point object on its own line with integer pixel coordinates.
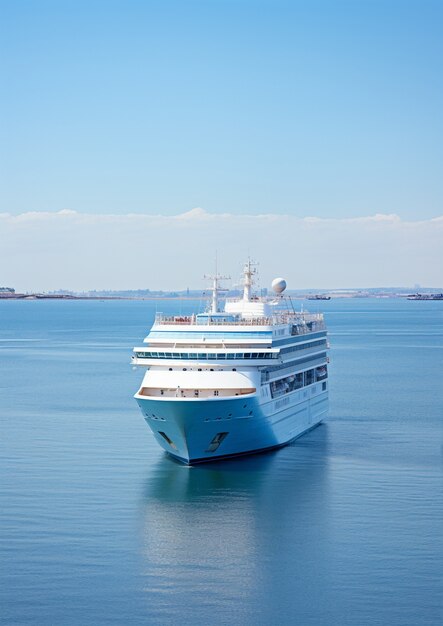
{"type": "Point", "coordinates": [223, 536]}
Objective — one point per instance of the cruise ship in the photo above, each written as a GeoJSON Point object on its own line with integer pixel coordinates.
{"type": "Point", "coordinates": [250, 377]}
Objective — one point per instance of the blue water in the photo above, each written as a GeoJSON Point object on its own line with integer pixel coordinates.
{"type": "Point", "coordinates": [99, 526]}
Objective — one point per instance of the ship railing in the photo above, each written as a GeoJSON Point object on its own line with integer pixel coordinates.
{"type": "Point", "coordinates": [301, 321]}
{"type": "Point", "coordinates": [178, 392]}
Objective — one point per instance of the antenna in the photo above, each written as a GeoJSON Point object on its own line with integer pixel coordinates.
{"type": "Point", "coordinates": [249, 271]}
{"type": "Point", "coordinates": [215, 286]}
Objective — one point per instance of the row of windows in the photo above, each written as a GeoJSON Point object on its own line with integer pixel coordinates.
{"type": "Point", "coordinates": [304, 346]}
{"type": "Point", "coordinates": [309, 327]}
{"type": "Point", "coordinates": [300, 339]}
{"type": "Point", "coordinates": [297, 381]}
{"type": "Point", "coordinates": [270, 370]}
{"type": "Point", "coordinates": [204, 356]}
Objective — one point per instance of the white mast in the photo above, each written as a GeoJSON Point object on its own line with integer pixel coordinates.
{"type": "Point", "coordinates": [248, 272]}
{"type": "Point", "coordinates": [215, 287]}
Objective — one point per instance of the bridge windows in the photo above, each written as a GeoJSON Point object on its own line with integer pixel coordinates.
{"type": "Point", "coordinates": [204, 356]}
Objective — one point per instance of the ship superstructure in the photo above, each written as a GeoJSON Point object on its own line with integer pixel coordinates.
{"type": "Point", "coordinates": [223, 383]}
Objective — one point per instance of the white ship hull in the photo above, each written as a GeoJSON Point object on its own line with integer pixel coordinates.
{"type": "Point", "coordinates": [188, 428]}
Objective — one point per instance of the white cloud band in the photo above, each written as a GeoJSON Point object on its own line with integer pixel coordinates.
{"type": "Point", "coordinates": [48, 250]}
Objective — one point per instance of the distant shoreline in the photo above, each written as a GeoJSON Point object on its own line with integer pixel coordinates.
{"type": "Point", "coordinates": [331, 296]}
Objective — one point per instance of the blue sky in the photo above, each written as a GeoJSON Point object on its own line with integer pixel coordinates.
{"type": "Point", "coordinates": [308, 133]}
{"type": "Point", "coordinates": [331, 109]}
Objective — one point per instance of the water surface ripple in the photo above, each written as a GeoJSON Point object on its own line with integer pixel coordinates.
{"type": "Point", "coordinates": [99, 526]}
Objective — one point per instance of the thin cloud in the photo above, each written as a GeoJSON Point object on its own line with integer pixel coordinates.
{"type": "Point", "coordinates": [49, 250]}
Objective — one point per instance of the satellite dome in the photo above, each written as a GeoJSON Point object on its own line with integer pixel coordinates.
{"type": "Point", "coordinates": [279, 285]}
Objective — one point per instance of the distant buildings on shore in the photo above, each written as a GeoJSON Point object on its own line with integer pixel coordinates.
{"type": "Point", "coordinates": [195, 294]}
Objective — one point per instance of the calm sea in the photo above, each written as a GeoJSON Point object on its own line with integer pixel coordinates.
{"type": "Point", "coordinates": [99, 526]}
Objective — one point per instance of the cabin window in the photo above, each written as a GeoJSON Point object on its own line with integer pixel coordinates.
{"type": "Point", "coordinates": [298, 383]}
{"type": "Point", "coordinates": [286, 385]}
{"type": "Point", "coordinates": [309, 377]}
{"type": "Point", "coordinates": [321, 372]}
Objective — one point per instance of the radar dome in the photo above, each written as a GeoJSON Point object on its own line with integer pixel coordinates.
{"type": "Point", "coordinates": [279, 285]}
